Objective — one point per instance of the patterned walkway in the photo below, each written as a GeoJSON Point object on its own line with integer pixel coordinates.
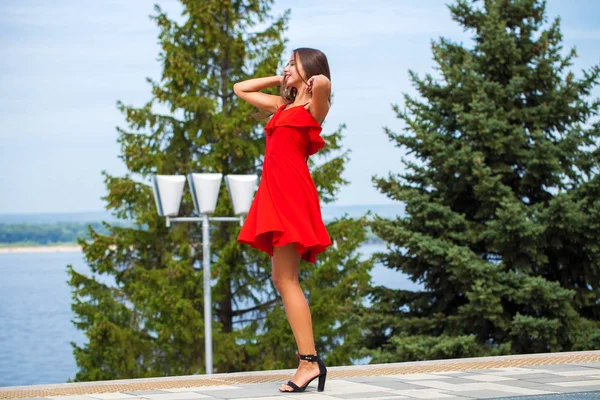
{"type": "Point", "coordinates": [542, 376]}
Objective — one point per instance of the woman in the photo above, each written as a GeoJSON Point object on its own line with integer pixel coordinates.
{"type": "Point", "coordinates": [285, 217]}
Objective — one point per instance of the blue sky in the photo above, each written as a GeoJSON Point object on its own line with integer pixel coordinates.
{"type": "Point", "coordinates": [65, 64]}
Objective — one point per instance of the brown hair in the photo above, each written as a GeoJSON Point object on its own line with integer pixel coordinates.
{"type": "Point", "coordinates": [314, 62]}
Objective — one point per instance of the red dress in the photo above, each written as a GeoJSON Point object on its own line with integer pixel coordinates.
{"type": "Point", "coordinates": [286, 206]}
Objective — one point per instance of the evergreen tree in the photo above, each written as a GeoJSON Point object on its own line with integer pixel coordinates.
{"type": "Point", "coordinates": [142, 309]}
{"type": "Point", "coordinates": [502, 197]}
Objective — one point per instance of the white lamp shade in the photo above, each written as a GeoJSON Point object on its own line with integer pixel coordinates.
{"type": "Point", "coordinates": [205, 191]}
{"type": "Point", "coordinates": [168, 190]}
{"type": "Point", "coordinates": [241, 190]}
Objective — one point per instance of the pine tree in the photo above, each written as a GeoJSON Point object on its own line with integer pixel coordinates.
{"type": "Point", "coordinates": [501, 189]}
{"type": "Point", "coordinates": [142, 309]}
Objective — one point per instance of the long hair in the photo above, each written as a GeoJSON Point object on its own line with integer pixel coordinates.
{"type": "Point", "coordinates": [314, 62]}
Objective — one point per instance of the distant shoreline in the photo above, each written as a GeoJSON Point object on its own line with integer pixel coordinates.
{"type": "Point", "coordinates": [41, 249]}
{"type": "Point", "coordinates": [75, 248]}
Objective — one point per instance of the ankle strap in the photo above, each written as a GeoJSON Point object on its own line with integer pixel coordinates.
{"type": "Point", "coordinates": [308, 357]}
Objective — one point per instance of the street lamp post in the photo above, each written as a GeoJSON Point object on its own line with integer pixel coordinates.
{"type": "Point", "coordinates": [168, 191]}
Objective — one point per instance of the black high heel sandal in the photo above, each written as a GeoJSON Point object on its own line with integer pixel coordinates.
{"type": "Point", "coordinates": [322, 374]}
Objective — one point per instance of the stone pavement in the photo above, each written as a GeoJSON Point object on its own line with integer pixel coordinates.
{"type": "Point", "coordinates": [557, 376]}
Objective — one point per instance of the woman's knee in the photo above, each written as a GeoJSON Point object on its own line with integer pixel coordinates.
{"type": "Point", "coordinates": [285, 267]}
{"type": "Point", "coordinates": [281, 281]}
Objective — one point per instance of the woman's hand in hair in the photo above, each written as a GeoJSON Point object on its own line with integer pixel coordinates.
{"type": "Point", "coordinates": [318, 80]}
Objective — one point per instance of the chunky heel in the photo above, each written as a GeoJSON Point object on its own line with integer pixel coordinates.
{"type": "Point", "coordinates": [322, 374]}
{"type": "Point", "coordinates": [321, 386]}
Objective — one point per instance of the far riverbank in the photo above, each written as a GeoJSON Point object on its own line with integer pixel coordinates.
{"type": "Point", "coordinates": [65, 248]}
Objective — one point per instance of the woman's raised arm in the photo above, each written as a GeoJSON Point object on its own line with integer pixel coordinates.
{"type": "Point", "coordinates": [320, 88]}
{"type": "Point", "coordinates": [250, 91]}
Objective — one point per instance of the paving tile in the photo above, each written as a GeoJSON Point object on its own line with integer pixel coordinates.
{"type": "Point", "coordinates": [557, 367]}
{"type": "Point", "coordinates": [414, 377]}
{"type": "Point", "coordinates": [368, 395]}
{"type": "Point", "coordinates": [589, 365]}
{"type": "Point", "coordinates": [594, 382]}
{"type": "Point", "coordinates": [238, 395]}
{"type": "Point", "coordinates": [203, 388]}
{"type": "Point", "coordinates": [144, 392]}
{"type": "Point", "coordinates": [342, 386]}
{"type": "Point", "coordinates": [485, 370]}
{"type": "Point", "coordinates": [176, 396]}
{"type": "Point", "coordinates": [502, 388]}
{"type": "Point", "coordinates": [248, 392]}
{"type": "Point", "coordinates": [425, 394]}
{"type": "Point", "coordinates": [440, 378]}
{"type": "Point", "coordinates": [79, 397]}
{"type": "Point", "coordinates": [582, 372]}
{"type": "Point", "coordinates": [276, 397]}
{"type": "Point", "coordinates": [557, 379]}
{"type": "Point", "coordinates": [507, 369]}
{"type": "Point", "coordinates": [541, 386]}
{"type": "Point", "coordinates": [259, 386]}
{"type": "Point", "coordinates": [369, 379]}
{"type": "Point", "coordinates": [565, 396]}
{"type": "Point", "coordinates": [364, 396]}
{"type": "Point", "coordinates": [456, 374]}
{"type": "Point", "coordinates": [447, 373]}
{"type": "Point", "coordinates": [528, 384]}
{"type": "Point", "coordinates": [395, 385]}
{"type": "Point", "coordinates": [445, 386]}
{"type": "Point", "coordinates": [395, 397]}
{"type": "Point", "coordinates": [455, 397]}
{"type": "Point", "coordinates": [529, 377]}
{"type": "Point", "coordinates": [268, 390]}
{"type": "Point", "coordinates": [301, 396]}
{"type": "Point", "coordinates": [465, 388]}
{"type": "Point", "coordinates": [206, 397]}
{"type": "Point", "coordinates": [486, 394]}
{"type": "Point", "coordinates": [488, 378]}
{"type": "Point", "coordinates": [447, 379]}
{"type": "Point", "coordinates": [110, 396]}
{"type": "Point", "coordinates": [513, 371]}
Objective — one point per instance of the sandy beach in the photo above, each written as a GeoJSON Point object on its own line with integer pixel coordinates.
{"type": "Point", "coordinates": [41, 249]}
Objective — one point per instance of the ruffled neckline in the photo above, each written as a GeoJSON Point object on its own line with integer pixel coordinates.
{"type": "Point", "coordinates": [300, 120]}
{"type": "Point", "coordinates": [291, 117]}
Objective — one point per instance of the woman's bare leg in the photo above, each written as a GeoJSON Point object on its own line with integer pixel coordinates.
{"type": "Point", "coordinates": [286, 264]}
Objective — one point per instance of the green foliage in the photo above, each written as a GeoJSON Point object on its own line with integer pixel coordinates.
{"type": "Point", "coordinates": [502, 198]}
{"type": "Point", "coordinates": [151, 322]}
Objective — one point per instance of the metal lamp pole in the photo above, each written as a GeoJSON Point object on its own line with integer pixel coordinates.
{"type": "Point", "coordinates": [168, 190]}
